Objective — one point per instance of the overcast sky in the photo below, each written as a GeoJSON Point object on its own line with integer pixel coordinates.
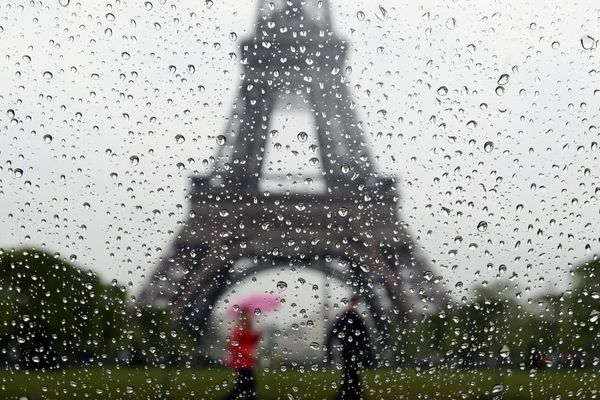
{"type": "Point", "coordinates": [94, 93]}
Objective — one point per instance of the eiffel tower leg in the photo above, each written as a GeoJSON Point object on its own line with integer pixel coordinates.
{"type": "Point", "coordinates": [249, 146]}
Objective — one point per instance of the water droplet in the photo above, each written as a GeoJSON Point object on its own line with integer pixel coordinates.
{"type": "Point", "coordinates": [594, 316]}
{"type": "Point", "coordinates": [47, 139]}
{"type": "Point", "coordinates": [342, 211]}
{"type": "Point", "coordinates": [442, 91]}
{"type": "Point", "coordinates": [345, 168]}
{"type": "Point", "coordinates": [221, 140]}
{"type": "Point", "coordinates": [18, 172]}
{"type": "Point", "coordinates": [588, 42]}
{"type": "Point", "coordinates": [503, 80]}
{"type": "Point", "coordinates": [125, 55]}
{"type": "Point", "coordinates": [482, 226]}
{"type": "Point", "coordinates": [148, 6]}
{"type": "Point", "coordinates": [504, 351]}
{"type": "Point", "coordinates": [500, 90]}
{"type": "Point", "coordinates": [497, 388]}
{"type": "Point", "coordinates": [110, 16]}
{"type": "Point", "coordinates": [488, 146]}
{"type": "Point", "coordinates": [383, 14]}
{"type": "Point", "coordinates": [73, 257]}
{"type": "Point", "coordinates": [172, 69]}
{"type": "Point", "coordinates": [282, 285]}
{"type": "Point", "coordinates": [233, 36]}
{"type": "Point", "coordinates": [64, 3]}
{"type": "Point", "coordinates": [134, 160]}
{"type": "Point", "coordinates": [302, 137]}
{"type": "Point", "coordinates": [47, 75]}
{"type": "Point", "coordinates": [179, 139]}
{"type": "Point", "coordinates": [360, 16]}
{"type": "Point", "coordinates": [451, 23]}
{"type": "Point", "coordinates": [191, 69]}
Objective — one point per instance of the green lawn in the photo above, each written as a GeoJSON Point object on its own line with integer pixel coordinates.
{"type": "Point", "coordinates": [112, 383]}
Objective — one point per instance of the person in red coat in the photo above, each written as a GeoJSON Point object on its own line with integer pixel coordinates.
{"type": "Point", "coordinates": [242, 343]}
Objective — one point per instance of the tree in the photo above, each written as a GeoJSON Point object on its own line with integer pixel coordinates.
{"type": "Point", "coordinates": [54, 312]}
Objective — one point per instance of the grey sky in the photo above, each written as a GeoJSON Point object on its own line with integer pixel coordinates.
{"type": "Point", "coordinates": [120, 90]}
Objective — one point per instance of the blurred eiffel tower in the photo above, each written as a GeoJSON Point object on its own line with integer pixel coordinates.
{"type": "Point", "coordinates": [294, 53]}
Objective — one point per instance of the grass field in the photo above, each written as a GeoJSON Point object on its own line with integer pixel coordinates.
{"type": "Point", "coordinates": [112, 383]}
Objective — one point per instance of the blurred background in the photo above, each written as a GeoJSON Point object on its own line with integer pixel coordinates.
{"type": "Point", "coordinates": [483, 110]}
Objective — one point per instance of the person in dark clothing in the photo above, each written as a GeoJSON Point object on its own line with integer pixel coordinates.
{"type": "Point", "coordinates": [351, 330]}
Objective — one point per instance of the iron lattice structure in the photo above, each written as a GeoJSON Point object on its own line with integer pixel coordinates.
{"type": "Point", "coordinates": [293, 53]}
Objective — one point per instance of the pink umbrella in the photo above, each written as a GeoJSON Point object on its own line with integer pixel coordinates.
{"type": "Point", "coordinates": [263, 302]}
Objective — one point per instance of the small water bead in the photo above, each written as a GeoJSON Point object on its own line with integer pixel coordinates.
{"type": "Point", "coordinates": [110, 16]}
{"type": "Point", "coordinates": [482, 226]}
{"type": "Point", "coordinates": [233, 36]}
{"type": "Point", "coordinates": [148, 6]}
{"type": "Point", "coordinates": [488, 146]}
{"type": "Point", "coordinates": [451, 23]}
{"type": "Point", "coordinates": [282, 285]}
{"type": "Point", "coordinates": [302, 137]}
{"type": "Point", "coordinates": [442, 91]}
{"type": "Point", "coordinates": [342, 211]}
{"type": "Point", "coordinates": [134, 160]}
{"type": "Point", "coordinates": [18, 172]}
{"type": "Point", "coordinates": [503, 80]}
{"type": "Point", "coordinates": [497, 388]}
{"type": "Point", "coordinates": [179, 139]}
{"type": "Point", "coordinates": [191, 69]}
{"type": "Point", "coordinates": [47, 75]}
{"type": "Point", "coordinates": [221, 140]}
{"type": "Point", "coordinates": [383, 14]}
{"type": "Point", "coordinates": [500, 90]}
{"type": "Point", "coordinates": [125, 55]}
{"type": "Point", "coordinates": [64, 3]}
{"type": "Point", "coordinates": [360, 16]}
{"type": "Point", "coordinates": [172, 69]}
{"type": "Point", "coordinates": [594, 316]}
{"type": "Point", "coordinates": [48, 139]}
{"type": "Point", "coordinates": [588, 42]}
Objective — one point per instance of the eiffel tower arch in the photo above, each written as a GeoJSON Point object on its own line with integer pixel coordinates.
{"type": "Point", "coordinates": [293, 54]}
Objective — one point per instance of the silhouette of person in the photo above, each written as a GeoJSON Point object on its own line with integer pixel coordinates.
{"type": "Point", "coordinates": [351, 330]}
{"type": "Point", "coordinates": [241, 345]}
